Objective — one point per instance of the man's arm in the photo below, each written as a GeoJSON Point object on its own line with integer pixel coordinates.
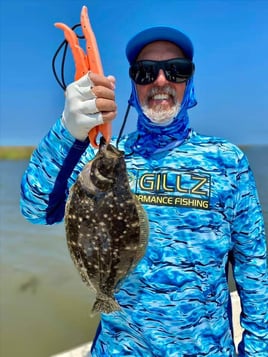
{"type": "Point", "coordinates": [52, 169]}
{"type": "Point", "coordinates": [249, 259]}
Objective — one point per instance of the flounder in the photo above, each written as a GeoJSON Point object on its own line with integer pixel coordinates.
{"type": "Point", "coordinates": [106, 226]}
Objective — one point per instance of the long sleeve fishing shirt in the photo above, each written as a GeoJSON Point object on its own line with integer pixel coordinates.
{"type": "Point", "coordinates": [204, 211]}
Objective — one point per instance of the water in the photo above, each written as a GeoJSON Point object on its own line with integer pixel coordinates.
{"type": "Point", "coordinates": [44, 306]}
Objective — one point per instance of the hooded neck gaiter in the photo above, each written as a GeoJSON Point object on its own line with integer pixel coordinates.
{"type": "Point", "coordinates": [153, 138]}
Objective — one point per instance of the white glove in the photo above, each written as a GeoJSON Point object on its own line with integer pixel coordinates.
{"type": "Point", "coordinates": [80, 113]}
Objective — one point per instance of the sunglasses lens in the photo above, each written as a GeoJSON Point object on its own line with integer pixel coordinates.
{"type": "Point", "coordinates": [143, 72]}
{"type": "Point", "coordinates": [176, 70]}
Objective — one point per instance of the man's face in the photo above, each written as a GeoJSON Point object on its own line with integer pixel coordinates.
{"type": "Point", "coordinates": [160, 100]}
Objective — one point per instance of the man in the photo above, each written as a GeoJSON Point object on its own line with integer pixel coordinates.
{"type": "Point", "coordinates": [201, 199]}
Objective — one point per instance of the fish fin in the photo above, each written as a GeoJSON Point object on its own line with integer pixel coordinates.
{"type": "Point", "coordinates": [106, 305]}
{"type": "Point", "coordinates": [144, 228]}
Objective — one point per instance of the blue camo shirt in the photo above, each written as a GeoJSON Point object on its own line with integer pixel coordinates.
{"type": "Point", "coordinates": [203, 210]}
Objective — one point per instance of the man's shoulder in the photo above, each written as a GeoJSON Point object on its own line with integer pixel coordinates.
{"type": "Point", "coordinates": [216, 141]}
{"type": "Point", "coordinates": [217, 147]}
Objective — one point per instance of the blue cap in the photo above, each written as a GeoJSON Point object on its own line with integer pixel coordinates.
{"type": "Point", "coordinates": [143, 38]}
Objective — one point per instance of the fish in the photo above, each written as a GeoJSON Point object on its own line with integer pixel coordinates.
{"type": "Point", "coordinates": [106, 226]}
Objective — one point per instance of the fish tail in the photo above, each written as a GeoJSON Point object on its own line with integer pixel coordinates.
{"type": "Point", "coordinates": [106, 305]}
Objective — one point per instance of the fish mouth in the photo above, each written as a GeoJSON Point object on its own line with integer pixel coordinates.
{"type": "Point", "coordinates": [102, 142]}
{"type": "Point", "coordinates": [109, 148]}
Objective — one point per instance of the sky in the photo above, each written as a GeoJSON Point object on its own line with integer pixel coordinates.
{"type": "Point", "coordinates": [230, 40]}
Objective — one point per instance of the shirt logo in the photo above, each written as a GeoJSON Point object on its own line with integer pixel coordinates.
{"type": "Point", "coordinates": [172, 188]}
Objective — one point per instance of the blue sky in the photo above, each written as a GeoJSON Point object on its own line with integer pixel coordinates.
{"type": "Point", "coordinates": [231, 46]}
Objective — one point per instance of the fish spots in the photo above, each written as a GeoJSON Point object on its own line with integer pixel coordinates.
{"type": "Point", "coordinates": [72, 216]}
{"type": "Point", "coordinates": [104, 224]}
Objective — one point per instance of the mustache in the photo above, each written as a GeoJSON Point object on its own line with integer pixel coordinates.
{"type": "Point", "coordinates": [162, 90]}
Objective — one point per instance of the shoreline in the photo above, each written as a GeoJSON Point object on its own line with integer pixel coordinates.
{"type": "Point", "coordinates": [23, 152]}
{"type": "Point", "coordinates": [16, 152]}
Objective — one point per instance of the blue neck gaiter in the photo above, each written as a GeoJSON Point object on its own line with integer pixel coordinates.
{"type": "Point", "coordinates": [153, 138]}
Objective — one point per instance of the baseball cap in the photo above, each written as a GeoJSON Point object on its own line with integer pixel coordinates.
{"type": "Point", "coordinates": [160, 33]}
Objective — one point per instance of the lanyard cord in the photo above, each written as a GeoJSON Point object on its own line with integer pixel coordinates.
{"type": "Point", "coordinates": [64, 45]}
{"type": "Point", "coordinates": [123, 125]}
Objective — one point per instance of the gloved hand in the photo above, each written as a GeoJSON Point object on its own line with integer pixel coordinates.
{"type": "Point", "coordinates": [89, 101]}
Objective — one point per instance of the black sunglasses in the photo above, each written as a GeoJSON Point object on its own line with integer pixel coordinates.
{"type": "Point", "coordinates": [177, 70]}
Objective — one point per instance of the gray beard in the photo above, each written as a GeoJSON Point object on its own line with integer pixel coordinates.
{"type": "Point", "coordinates": [161, 116]}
